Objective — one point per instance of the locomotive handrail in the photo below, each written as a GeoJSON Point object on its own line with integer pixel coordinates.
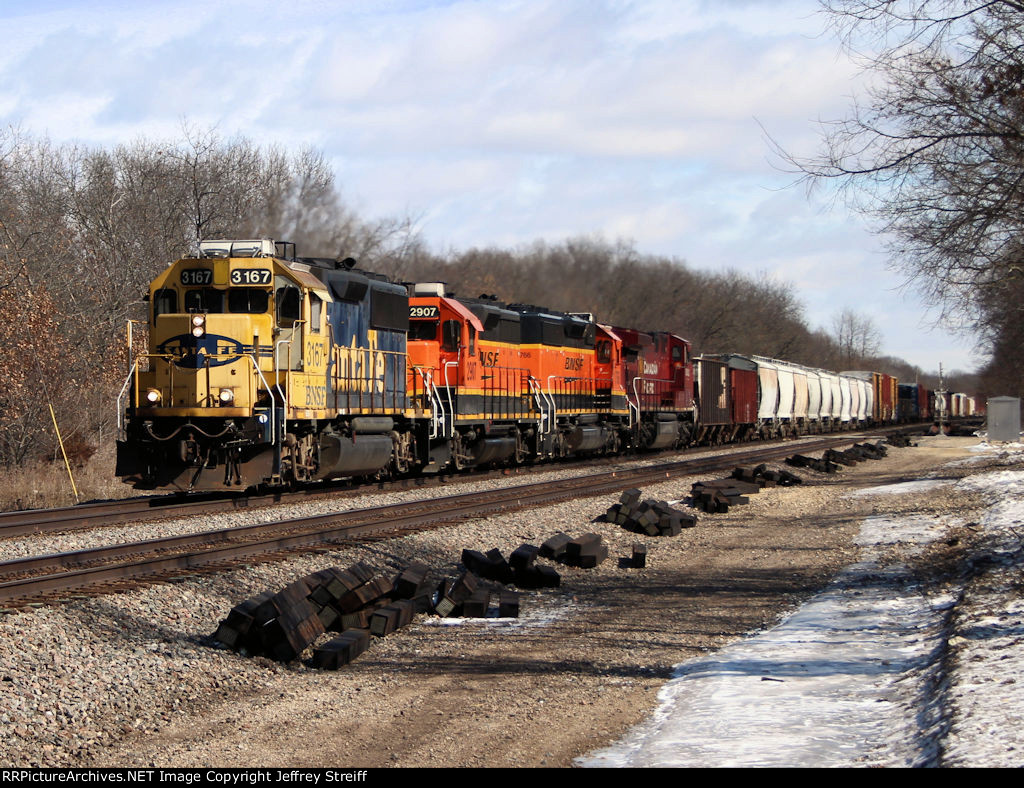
{"type": "Point", "coordinates": [542, 403]}
{"type": "Point", "coordinates": [634, 420]}
{"type": "Point", "coordinates": [121, 432]}
{"type": "Point", "coordinates": [273, 409]}
{"type": "Point", "coordinates": [554, 406]}
{"type": "Point", "coordinates": [277, 370]}
{"type": "Point", "coordinates": [435, 399]}
{"type": "Point", "coordinates": [507, 375]}
{"type": "Point", "coordinates": [169, 358]}
{"type": "Point", "coordinates": [131, 342]}
{"type": "Point", "coordinates": [448, 394]}
{"type": "Point", "coordinates": [640, 397]}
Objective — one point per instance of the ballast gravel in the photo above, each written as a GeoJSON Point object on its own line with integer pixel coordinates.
{"type": "Point", "coordinates": [131, 678]}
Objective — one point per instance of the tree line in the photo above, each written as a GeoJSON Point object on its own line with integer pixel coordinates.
{"type": "Point", "coordinates": [83, 230]}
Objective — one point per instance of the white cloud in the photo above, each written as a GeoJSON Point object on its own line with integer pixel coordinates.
{"type": "Point", "coordinates": [496, 122]}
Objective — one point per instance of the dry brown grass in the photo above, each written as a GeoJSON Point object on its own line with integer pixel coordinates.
{"type": "Point", "coordinates": [45, 486]}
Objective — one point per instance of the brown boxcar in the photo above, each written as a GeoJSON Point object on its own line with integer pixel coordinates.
{"type": "Point", "coordinates": [711, 394]}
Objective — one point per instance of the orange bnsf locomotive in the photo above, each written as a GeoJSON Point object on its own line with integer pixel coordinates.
{"type": "Point", "coordinates": [264, 368]}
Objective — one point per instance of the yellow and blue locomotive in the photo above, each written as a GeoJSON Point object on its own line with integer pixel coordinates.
{"type": "Point", "coordinates": [266, 367]}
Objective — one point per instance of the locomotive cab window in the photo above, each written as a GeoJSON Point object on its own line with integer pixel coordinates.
{"type": "Point", "coordinates": [165, 302]}
{"type": "Point", "coordinates": [450, 336]}
{"type": "Point", "coordinates": [248, 300]}
{"type": "Point", "coordinates": [315, 311]}
{"type": "Point", "coordinates": [604, 352]}
{"type": "Point", "coordinates": [423, 330]}
{"type": "Point", "coordinates": [288, 306]}
{"type": "Point", "coordinates": [207, 299]}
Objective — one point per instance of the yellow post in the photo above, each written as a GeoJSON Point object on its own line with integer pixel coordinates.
{"type": "Point", "coordinates": [61, 442]}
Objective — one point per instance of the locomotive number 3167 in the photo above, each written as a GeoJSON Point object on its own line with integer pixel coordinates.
{"type": "Point", "coordinates": [250, 276]}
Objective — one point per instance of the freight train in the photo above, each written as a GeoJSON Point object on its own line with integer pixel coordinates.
{"type": "Point", "coordinates": [265, 368]}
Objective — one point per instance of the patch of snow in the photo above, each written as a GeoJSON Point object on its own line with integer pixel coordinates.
{"type": "Point", "coordinates": [902, 488]}
{"type": "Point", "coordinates": [875, 671]}
{"type": "Point", "coordinates": [998, 453]}
{"type": "Point", "coordinates": [537, 616]}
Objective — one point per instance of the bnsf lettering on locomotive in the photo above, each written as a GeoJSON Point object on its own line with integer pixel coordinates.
{"type": "Point", "coordinates": [574, 364]}
{"type": "Point", "coordinates": [489, 358]}
{"type": "Point", "coordinates": [316, 396]}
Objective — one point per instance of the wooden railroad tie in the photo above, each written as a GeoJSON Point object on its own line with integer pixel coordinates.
{"type": "Point", "coordinates": [651, 517]}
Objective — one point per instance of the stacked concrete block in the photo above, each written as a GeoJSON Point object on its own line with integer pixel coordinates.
{"type": "Point", "coordinates": [521, 569]}
{"type": "Point", "coordinates": [717, 496]}
{"type": "Point", "coordinates": [454, 593]}
{"type": "Point", "coordinates": [477, 604]}
{"type": "Point", "coordinates": [848, 457]}
{"type": "Point", "coordinates": [508, 604]}
{"type": "Point", "coordinates": [388, 618]}
{"type": "Point", "coordinates": [822, 465]}
{"type": "Point", "coordinates": [872, 451]}
{"type": "Point", "coordinates": [554, 547]}
{"type": "Point", "coordinates": [342, 649]}
{"type": "Point", "coordinates": [538, 576]}
{"type": "Point", "coordinates": [489, 566]}
{"type": "Point", "coordinates": [649, 516]}
{"type": "Point", "coordinates": [761, 476]}
{"type": "Point", "coordinates": [282, 625]}
{"type": "Point", "coordinates": [523, 557]}
{"type": "Point", "coordinates": [586, 551]}
{"type": "Point", "coordinates": [411, 582]}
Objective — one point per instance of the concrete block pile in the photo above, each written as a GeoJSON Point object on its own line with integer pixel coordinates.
{"type": "Point", "coordinates": [648, 516]}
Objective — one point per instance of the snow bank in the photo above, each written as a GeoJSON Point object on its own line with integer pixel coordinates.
{"type": "Point", "coordinates": [856, 676]}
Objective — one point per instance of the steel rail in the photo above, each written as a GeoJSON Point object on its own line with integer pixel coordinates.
{"type": "Point", "coordinates": [232, 544]}
{"type": "Point", "coordinates": [162, 507]}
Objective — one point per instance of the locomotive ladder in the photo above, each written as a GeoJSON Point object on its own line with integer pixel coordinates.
{"type": "Point", "coordinates": [634, 407]}
{"type": "Point", "coordinates": [439, 418]}
{"type": "Point", "coordinates": [546, 406]}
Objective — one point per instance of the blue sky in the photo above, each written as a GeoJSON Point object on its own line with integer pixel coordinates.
{"type": "Point", "coordinates": [501, 122]}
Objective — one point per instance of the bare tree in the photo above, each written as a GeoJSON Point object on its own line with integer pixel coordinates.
{"type": "Point", "coordinates": [857, 338]}
{"type": "Point", "coordinates": [935, 149]}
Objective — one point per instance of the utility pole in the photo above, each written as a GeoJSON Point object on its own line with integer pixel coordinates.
{"type": "Point", "coordinates": [940, 403]}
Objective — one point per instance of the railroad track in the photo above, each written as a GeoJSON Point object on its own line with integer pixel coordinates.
{"type": "Point", "coordinates": [162, 507]}
{"type": "Point", "coordinates": [49, 577]}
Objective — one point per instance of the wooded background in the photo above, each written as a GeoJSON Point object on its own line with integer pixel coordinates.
{"type": "Point", "coordinates": [83, 230]}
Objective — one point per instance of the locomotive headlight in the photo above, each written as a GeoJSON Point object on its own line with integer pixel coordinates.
{"type": "Point", "coordinates": [198, 325]}
{"type": "Point", "coordinates": [153, 395]}
{"type": "Point", "coordinates": [227, 396]}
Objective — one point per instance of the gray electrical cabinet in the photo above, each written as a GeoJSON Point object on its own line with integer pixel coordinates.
{"type": "Point", "coordinates": [1004, 419]}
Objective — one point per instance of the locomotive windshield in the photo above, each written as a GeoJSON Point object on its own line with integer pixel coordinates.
{"type": "Point", "coordinates": [423, 330]}
{"type": "Point", "coordinates": [248, 300]}
{"type": "Point", "coordinates": [206, 299]}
